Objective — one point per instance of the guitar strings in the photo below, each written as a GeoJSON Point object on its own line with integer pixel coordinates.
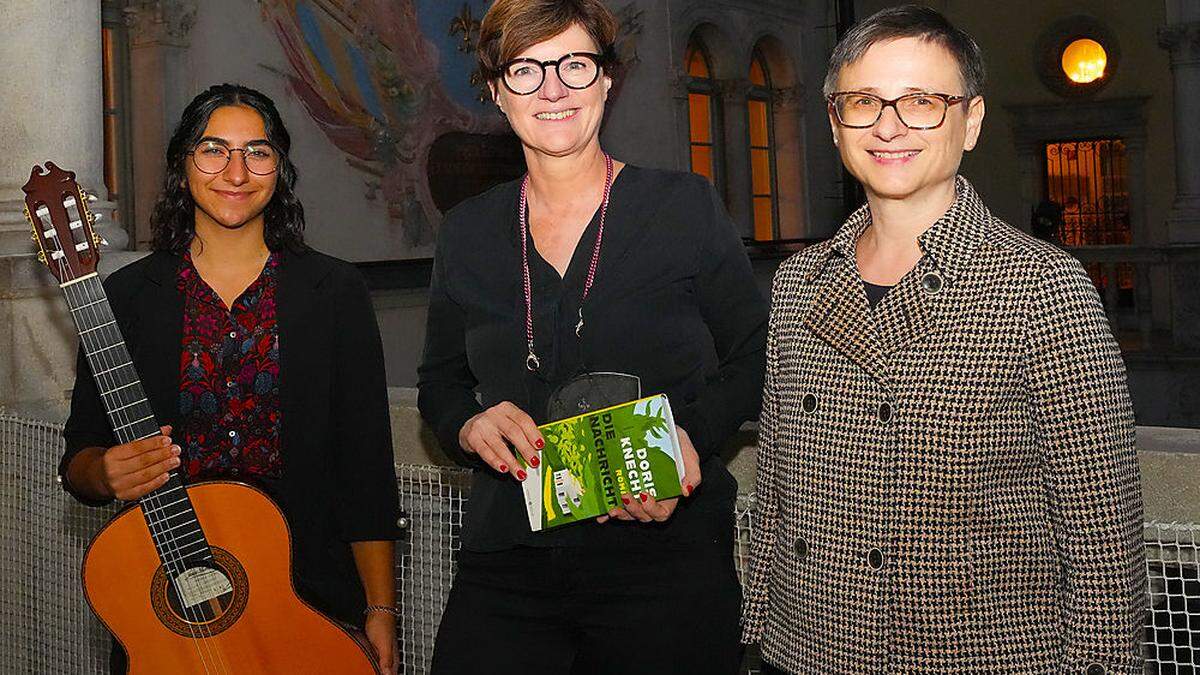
{"type": "Point", "coordinates": [172, 555]}
{"type": "Point", "coordinates": [200, 634]}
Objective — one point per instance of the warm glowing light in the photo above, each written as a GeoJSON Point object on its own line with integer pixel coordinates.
{"type": "Point", "coordinates": [1084, 61]}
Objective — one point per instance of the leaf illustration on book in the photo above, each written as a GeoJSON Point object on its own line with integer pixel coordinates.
{"type": "Point", "coordinates": [653, 424]}
{"type": "Point", "coordinates": [573, 448]}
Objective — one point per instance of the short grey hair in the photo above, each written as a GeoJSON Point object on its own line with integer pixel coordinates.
{"type": "Point", "coordinates": [907, 21]}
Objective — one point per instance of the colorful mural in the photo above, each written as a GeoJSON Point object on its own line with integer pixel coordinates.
{"type": "Point", "coordinates": [384, 79]}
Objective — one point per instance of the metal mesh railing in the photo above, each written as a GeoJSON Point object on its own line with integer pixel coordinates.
{"type": "Point", "coordinates": [47, 628]}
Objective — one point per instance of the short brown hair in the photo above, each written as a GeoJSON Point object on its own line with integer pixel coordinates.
{"type": "Point", "coordinates": [910, 21]}
{"type": "Point", "coordinates": [512, 26]}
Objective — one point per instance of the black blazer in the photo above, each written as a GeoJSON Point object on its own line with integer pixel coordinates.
{"type": "Point", "coordinates": [338, 483]}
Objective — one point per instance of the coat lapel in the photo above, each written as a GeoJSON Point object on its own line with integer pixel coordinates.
{"type": "Point", "coordinates": [160, 329]}
{"type": "Point", "coordinates": [917, 306]}
{"type": "Point", "coordinates": [303, 339]}
{"type": "Point", "coordinates": [909, 311]}
{"type": "Point", "coordinates": [840, 315]}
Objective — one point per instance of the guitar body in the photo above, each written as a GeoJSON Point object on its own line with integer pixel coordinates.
{"type": "Point", "coordinates": [259, 626]}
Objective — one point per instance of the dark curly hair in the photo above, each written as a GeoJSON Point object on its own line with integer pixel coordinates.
{"type": "Point", "coordinates": [173, 221]}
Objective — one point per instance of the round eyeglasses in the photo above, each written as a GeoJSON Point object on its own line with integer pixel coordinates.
{"type": "Point", "coordinates": [577, 70]}
{"type": "Point", "coordinates": [860, 110]}
{"type": "Point", "coordinates": [262, 159]}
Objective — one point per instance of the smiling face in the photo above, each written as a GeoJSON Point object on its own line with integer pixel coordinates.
{"type": "Point", "coordinates": [891, 160]}
{"type": "Point", "coordinates": [234, 197]}
{"type": "Point", "coordinates": [556, 120]}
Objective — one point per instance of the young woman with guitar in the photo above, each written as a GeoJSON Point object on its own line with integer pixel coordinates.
{"type": "Point", "coordinates": [263, 360]}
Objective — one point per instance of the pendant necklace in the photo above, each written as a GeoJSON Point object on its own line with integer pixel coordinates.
{"type": "Point", "coordinates": [532, 363]}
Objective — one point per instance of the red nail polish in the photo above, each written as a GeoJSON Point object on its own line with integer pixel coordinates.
{"type": "Point", "coordinates": [520, 474]}
{"type": "Point", "coordinates": [687, 488]}
{"type": "Point", "coordinates": [540, 444]}
{"type": "Point", "coordinates": [625, 499]}
{"type": "Point", "coordinates": [644, 497]}
{"type": "Point", "coordinates": [503, 468]}
{"type": "Point", "coordinates": [534, 461]}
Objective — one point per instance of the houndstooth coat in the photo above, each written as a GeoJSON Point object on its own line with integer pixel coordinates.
{"type": "Point", "coordinates": [946, 483]}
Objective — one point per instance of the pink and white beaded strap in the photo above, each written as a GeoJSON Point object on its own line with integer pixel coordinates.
{"type": "Point", "coordinates": [531, 361]}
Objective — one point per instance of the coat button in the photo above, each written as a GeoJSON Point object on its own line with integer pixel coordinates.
{"type": "Point", "coordinates": [801, 548]}
{"type": "Point", "coordinates": [1095, 669]}
{"type": "Point", "coordinates": [875, 559]}
{"type": "Point", "coordinates": [809, 402]}
{"type": "Point", "coordinates": [885, 412]}
{"type": "Point", "coordinates": [932, 283]}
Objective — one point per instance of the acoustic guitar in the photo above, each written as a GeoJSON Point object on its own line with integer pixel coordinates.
{"type": "Point", "coordinates": [192, 579]}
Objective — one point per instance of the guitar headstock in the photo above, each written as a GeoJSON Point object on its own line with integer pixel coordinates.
{"type": "Point", "coordinates": [57, 210]}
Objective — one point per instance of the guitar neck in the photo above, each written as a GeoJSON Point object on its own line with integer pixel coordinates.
{"type": "Point", "coordinates": [168, 510]}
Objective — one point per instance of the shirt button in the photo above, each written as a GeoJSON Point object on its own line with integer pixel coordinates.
{"type": "Point", "coordinates": [801, 548]}
{"type": "Point", "coordinates": [232, 333]}
{"type": "Point", "coordinates": [932, 283]}
{"type": "Point", "coordinates": [232, 434]}
{"type": "Point", "coordinates": [229, 383]}
{"type": "Point", "coordinates": [1095, 669]}
{"type": "Point", "coordinates": [875, 559]}
{"type": "Point", "coordinates": [885, 412]}
{"type": "Point", "coordinates": [809, 402]}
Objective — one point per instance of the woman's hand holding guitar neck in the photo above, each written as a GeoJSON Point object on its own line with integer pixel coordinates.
{"type": "Point", "coordinates": [128, 471]}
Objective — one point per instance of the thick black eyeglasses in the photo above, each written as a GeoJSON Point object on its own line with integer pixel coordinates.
{"type": "Point", "coordinates": [860, 110]}
{"type": "Point", "coordinates": [577, 70]}
{"type": "Point", "coordinates": [262, 159]}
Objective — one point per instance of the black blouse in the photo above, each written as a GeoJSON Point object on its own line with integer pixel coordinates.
{"type": "Point", "coordinates": [674, 302]}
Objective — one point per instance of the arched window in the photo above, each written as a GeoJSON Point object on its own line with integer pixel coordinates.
{"type": "Point", "coordinates": [762, 151]}
{"type": "Point", "coordinates": [704, 129]}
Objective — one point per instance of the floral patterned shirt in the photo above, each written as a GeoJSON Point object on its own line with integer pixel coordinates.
{"type": "Point", "coordinates": [229, 379]}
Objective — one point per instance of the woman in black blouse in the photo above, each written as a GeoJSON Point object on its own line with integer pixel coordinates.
{"type": "Point", "coordinates": [587, 265]}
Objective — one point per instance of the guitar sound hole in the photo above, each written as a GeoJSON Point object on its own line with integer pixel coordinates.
{"type": "Point", "coordinates": [200, 595]}
{"type": "Point", "coordinates": [208, 597]}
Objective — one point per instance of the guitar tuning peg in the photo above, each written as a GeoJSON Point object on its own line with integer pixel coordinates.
{"type": "Point", "coordinates": [96, 217]}
{"type": "Point", "coordinates": [90, 196]}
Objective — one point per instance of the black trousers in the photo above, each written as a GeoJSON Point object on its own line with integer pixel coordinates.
{"type": "Point", "coordinates": [574, 611]}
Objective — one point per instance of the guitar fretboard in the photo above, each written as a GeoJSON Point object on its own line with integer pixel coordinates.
{"type": "Point", "coordinates": [176, 532]}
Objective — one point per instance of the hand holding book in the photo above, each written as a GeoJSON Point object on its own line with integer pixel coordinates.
{"type": "Point", "coordinates": [493, 434]}
{"type": "Point", "coordinates": [644, 507]}
{"type": "Point", "coordinates": [603, 461]}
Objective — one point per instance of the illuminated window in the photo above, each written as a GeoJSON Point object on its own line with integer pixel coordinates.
{"type": "Point", "coordinates": [1087, 183]}
{"type": "Point", "coordinates": [703, 129]}
{"type": "Point", "coordinates": [762, 152]}
{"type": "Point", "coordinates": [1084, 61]}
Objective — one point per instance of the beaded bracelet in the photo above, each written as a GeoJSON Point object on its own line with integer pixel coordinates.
{"type": "Point", "coordinates": [382, 608]}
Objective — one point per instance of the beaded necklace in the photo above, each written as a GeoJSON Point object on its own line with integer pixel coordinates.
{"type": "Point", "coordinates": [531, 361]}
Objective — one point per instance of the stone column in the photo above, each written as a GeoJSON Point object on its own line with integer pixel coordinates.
{"type": "Point", "coordinates": [1182, 40]}
{"type": "Point", "coordinates": [790, 155]}
{"type": "Point", "coordinates": [50, 85]}
{"type": "Point", "coordinates": [52, 109]}
{"type": "Point", "coordinates": [735, 151]}
{"type": "Point", "coordinates": [158, 41]}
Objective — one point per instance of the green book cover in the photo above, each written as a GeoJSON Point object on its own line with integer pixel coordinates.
{"type": "Point", "coordinates": [591, 460]}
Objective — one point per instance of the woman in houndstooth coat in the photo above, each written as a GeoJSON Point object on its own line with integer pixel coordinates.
{"type": "Point", "coordinates": [947, 479]}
